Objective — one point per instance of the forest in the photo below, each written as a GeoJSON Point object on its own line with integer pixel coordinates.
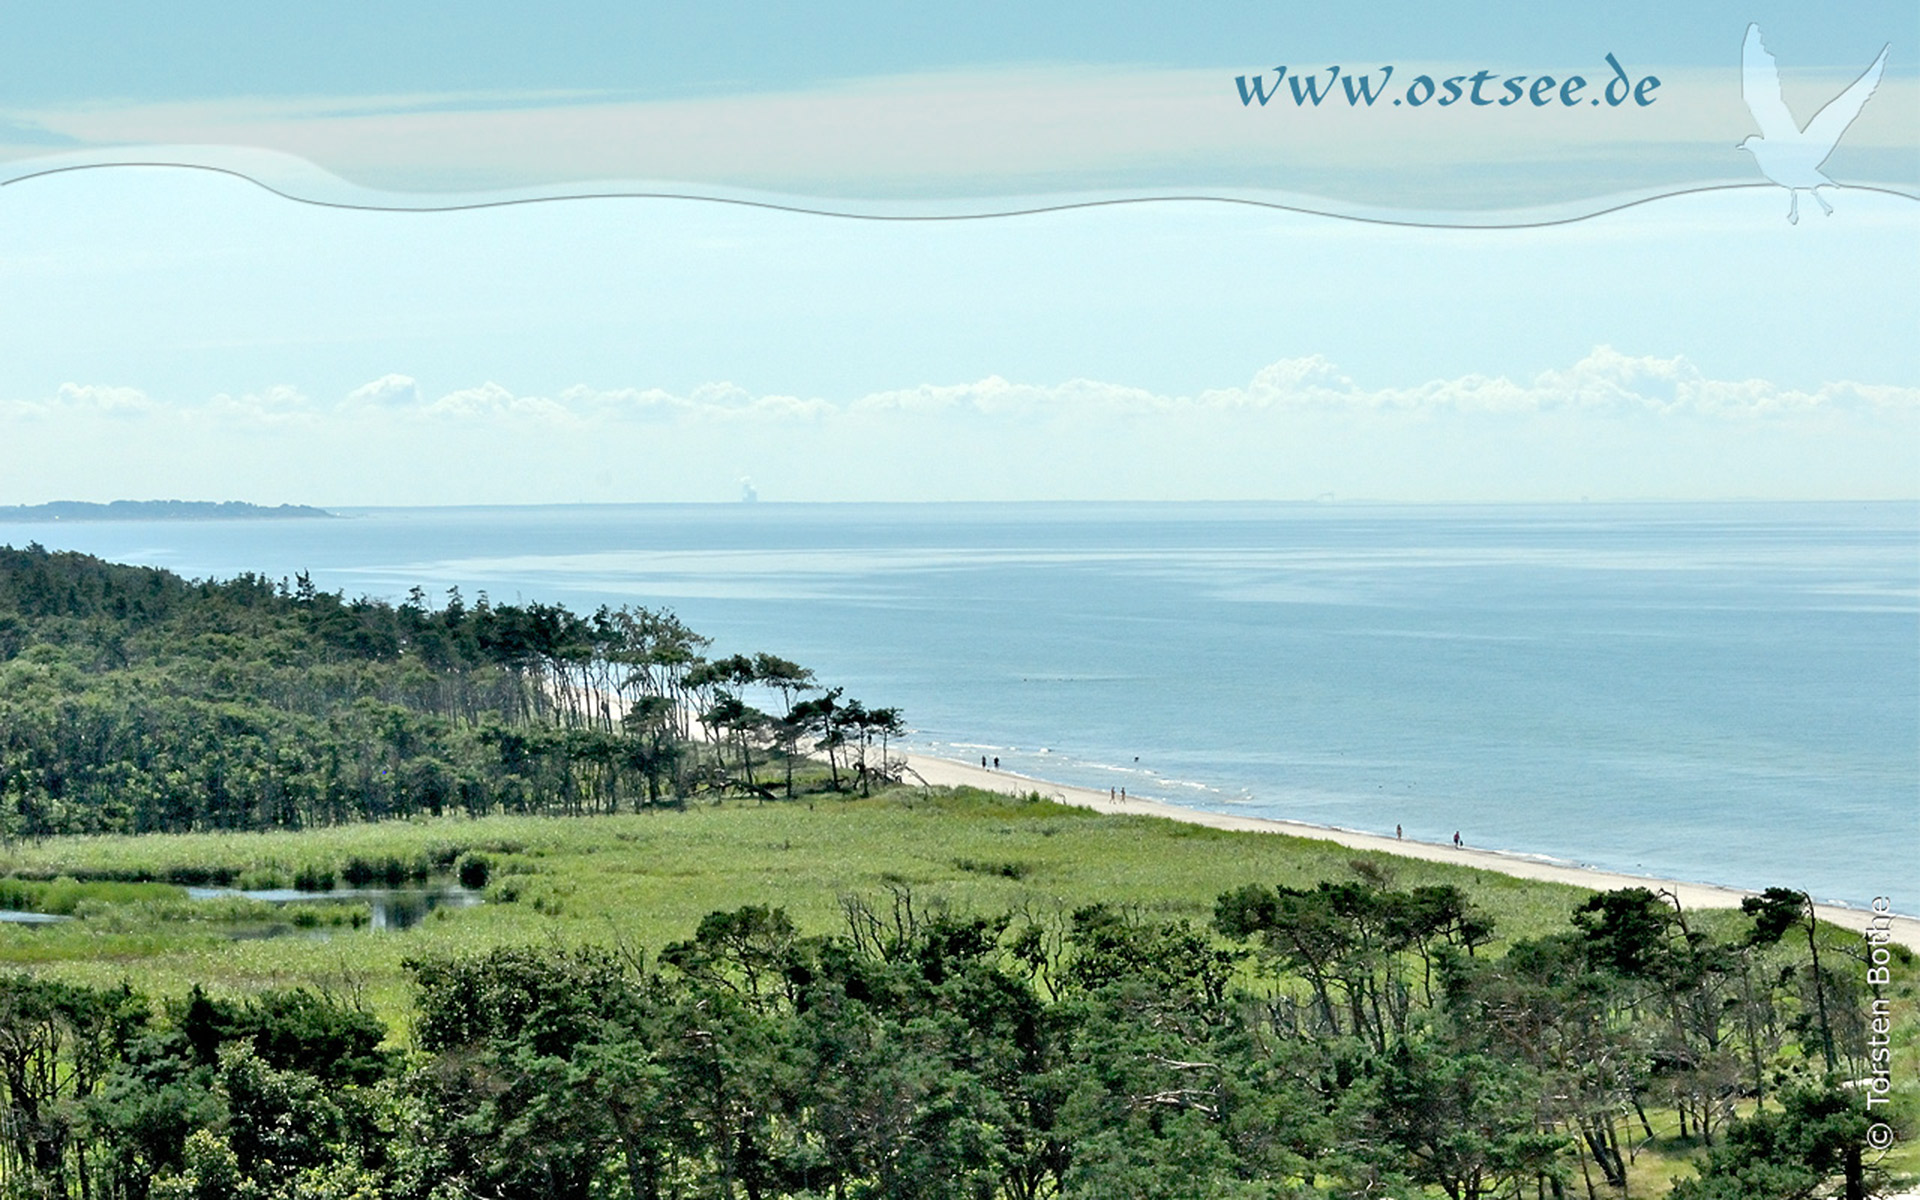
{"type": "Point", "coordinates": [133, 701]}
{"type": "Point", "coordinates": [987, 1012]}
{"type": "Point", "coordinates": [1347, 1040]}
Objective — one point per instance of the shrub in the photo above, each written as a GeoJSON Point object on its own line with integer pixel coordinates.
{"type": "Point", "coordinates": [474, 871]}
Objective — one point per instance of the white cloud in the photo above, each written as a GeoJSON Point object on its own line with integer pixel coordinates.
{"type": "Point", "coordinates": [1604, 383]}
{"type": "Point", "coordinates": [83, 399]}
{"type": "Point", "coordinates": [1610, 424]}
{"type": "Point", "coordinates": [645, 404]}
{"type": "Point", "coordinates": [279, 404]}
{"type": "Point", "coordinates": [388, 391]}
{"type": "Point", "coordinates": [113, 401]}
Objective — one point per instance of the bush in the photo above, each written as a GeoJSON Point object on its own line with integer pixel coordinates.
{"type": "Point", "coordinates": [1007, 870]}
{"type": "Point", "coordinates": [263, 879]}
{"type": "Point", "coordinates": [312, 878]}
{"type": "Point", "coordinates": [387, 869]}
{"type": "Point", "coordinates": [474, 871]}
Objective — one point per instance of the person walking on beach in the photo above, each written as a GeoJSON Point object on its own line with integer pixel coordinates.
{"type": "Point", "coordinates": [996, 762]}
{"type": "Point", "coordinates": [1398, 833]}
{"type": "Point", "coordinates": [1456, 839]}
{"type": "Point", "coordinates": [983, 762]}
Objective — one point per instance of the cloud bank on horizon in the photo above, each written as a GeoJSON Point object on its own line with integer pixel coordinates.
{"type": "Point", "coordinates": [1610, 426]}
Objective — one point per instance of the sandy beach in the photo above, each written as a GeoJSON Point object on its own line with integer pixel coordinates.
{"type": "Point", "coordinates": [942, 772]}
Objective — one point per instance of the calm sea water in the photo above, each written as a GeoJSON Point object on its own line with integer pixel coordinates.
{"type": "Point", "coordinates": [1725, 693]}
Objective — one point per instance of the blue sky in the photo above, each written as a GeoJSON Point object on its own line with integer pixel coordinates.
{"type": "Point", "coordinates": [172, 333]}
{"type": "Point", "coordinates": [196, 49]}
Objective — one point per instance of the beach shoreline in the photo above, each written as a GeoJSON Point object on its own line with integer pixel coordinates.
{"type": "Point", "coordinates": [946, 772]}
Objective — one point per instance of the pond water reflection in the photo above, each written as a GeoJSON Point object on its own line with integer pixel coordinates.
{"type": "Point", "coordinates": [389, 908]}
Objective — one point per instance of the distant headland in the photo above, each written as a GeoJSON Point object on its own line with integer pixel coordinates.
{"type": "Point", "coordinates": [158, 510]}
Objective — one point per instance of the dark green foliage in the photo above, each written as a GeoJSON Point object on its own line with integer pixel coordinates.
{"type": "Point", "coordinates": [934, 1056]}
{"type": "Point", "coordinates": [531, 1049]}
{"type": "Point", "coordinates": [1357, 946]}
{"type": "Point", "coordinates": [1774, 912]}
{"type": "Point", "coordinates": [214, 1097]}
{"type": "Point", "coordinates": [552, 1000]}
{"type": "Point", "coordinates": [1460, 1120]}
{"type": "Point", "coordinates": [1625, 932]}
{"type": "Point", "coordinates": [473, 871]}
{"type": "Point", "coordinates": [1791, 1154]}
{"type": "Point", "coordinates": [288, 1030]}
{"type": "Point", "coordinates": [132, 700]}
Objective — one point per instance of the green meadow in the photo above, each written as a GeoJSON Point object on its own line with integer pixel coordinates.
{"type": "Point", "coordinates": [644, 880]}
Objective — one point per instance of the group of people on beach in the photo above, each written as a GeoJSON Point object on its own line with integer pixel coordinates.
{"type": "Point", "coordinates": [1400, 834]}
{"type": "Point", "coordinates": [1116, 794]}
{"type": "Point", "coordinates": [1119, 795]}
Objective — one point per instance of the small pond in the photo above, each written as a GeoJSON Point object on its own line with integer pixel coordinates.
{"type": "Point", "coordinates": [9, 916]}
{"type": "Point", "coordinates": [387, 908]}
{"type": "Point", "coordinates": [390, 908]}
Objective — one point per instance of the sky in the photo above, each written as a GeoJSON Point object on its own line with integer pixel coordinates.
{"type": "Point", "coordinates": [865, 105]}
{"type": "Point", "coordinates": [170, 332]}
{"type": "Point", "coordinates": [203, 49]}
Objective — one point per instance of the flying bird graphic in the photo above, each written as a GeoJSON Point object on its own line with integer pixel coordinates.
{"type": "Point", "coordinates": [1787, 154]}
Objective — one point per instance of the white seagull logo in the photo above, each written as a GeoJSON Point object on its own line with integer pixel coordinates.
{"type": "Point", "coordinates": [1787, 154]}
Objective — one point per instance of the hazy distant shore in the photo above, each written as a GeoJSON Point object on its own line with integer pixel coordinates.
{"type": "Point", "coordinates": [159, 510]}
{"type": "Point", "coordinates": [945, 772]}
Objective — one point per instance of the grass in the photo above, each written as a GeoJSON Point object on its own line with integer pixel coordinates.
{"type": "Point", "coordinates": [62, 896]}
{"type": "Point", "coordinates": [646, 879]}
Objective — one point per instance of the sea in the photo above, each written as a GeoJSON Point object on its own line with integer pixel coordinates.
{"type": "Point", "coordinates": [1723, 693]}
